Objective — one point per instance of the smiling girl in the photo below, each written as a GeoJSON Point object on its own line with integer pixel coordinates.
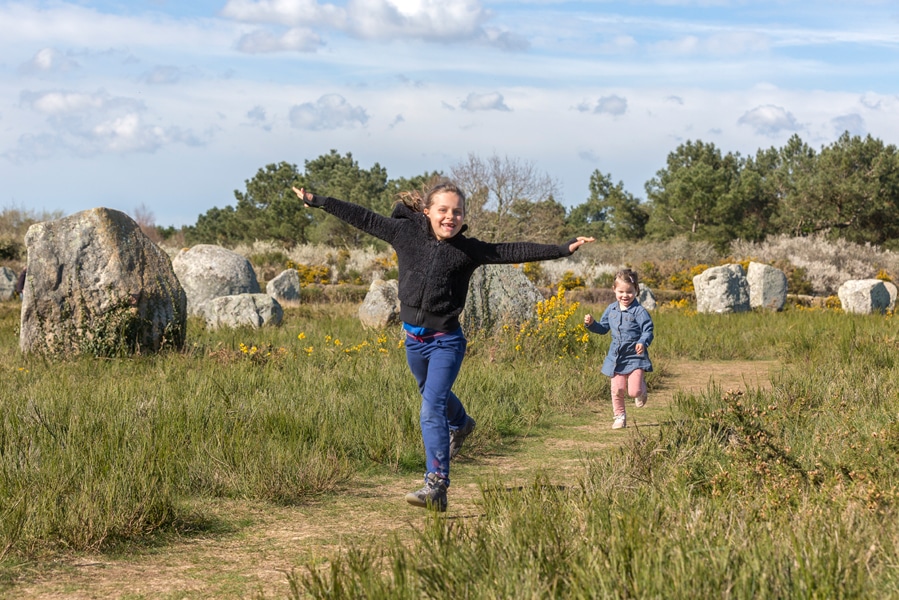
{"type": "Point", "coordinates": [436, 261]}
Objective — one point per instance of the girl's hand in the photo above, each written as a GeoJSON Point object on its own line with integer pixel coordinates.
{"type": "Point", "coordinates": [639, 348]}
{"type": "Point", "coordinates": [301, 194]}
{"type": "Point", "coordinates": [588, 320]}
{"type": "Point", "coordinates": [580, 242]}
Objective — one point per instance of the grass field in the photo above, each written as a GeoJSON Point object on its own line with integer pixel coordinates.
{"type": "Point", "coordinates": [272, 463]}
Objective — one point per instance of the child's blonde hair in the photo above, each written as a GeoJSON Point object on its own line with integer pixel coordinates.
{"type": "Point", "coordinates": [628, 276]}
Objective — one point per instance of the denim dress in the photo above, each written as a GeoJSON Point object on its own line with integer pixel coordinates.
{"type": "Point", "coordinates": [629, 327]}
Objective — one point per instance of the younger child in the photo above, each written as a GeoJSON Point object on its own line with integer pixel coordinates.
{"type": "Point", "coordinates": [628, 359]}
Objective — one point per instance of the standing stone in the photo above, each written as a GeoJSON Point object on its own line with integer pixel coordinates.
{"type": "Point", "coordinates": [498, 295]}
{"type": "Point", "coordinates": [97, 285]}
{"type": "Point", "coordinates": [891, 289]}
{"type": "Point", "coordinates": [285, 287]}
{"type": "Point", "coordinates": [381, 306]}
{"type": "Point", "coordinates": [207, 271]}
{"type": "Point", "coordinates": [242, 310]}
{"type": "Point", "coordinates": [864, 296]}
{"type": "Point", "coordinates": [646, 298]}
{"type": "Point", "coordinates": [767, 287]}
{"type": "Point", "coordinates": [7, 283]}
{"type": "Point", "coordinates": [722, 289]}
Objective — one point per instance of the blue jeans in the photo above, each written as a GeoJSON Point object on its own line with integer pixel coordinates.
{"type": "Point", "coordinates": [435, 362]}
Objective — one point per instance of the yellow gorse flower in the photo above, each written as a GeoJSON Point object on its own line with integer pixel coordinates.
{"type": "Point", "coordinates": [554, 326]}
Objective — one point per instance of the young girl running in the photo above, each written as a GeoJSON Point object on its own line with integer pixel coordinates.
{"type": "Point", "coordinates": [628, 356]}
{"type": "Point", "coordinates": [436, 261]}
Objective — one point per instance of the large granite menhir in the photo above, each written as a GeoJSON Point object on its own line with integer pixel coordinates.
{"type": "Point", "coordinates": [97, 285]}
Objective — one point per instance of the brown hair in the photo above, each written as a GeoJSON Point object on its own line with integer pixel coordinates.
{"type": "Point", "coordinates": [418, 200]}
{"type": "Point", "coordinates": [628, 276]}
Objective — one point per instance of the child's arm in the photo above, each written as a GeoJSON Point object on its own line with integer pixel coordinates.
{"type": "Point", "coordinates": [358, 216]}
{"type": "Point", "coordinates": [519, 252]}
{"type": "Point", "coordinates": [647, 331]}
{"type": "Point", "coordinates": [601, 327]}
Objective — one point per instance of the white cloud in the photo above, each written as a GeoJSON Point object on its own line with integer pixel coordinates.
{"type": "Point", "coordinates": [439, 21]}
{"type": "Point", "coordinates": [49, 60]}
{"type": "Point", "coordinates": [258, 118]}
{"type": "Point", "coordinates": [769, 120]}
{"type": "Point", "coordinates": [162, 75]}
{"type": "Point", "coordinates": [306, 13]}
{"type": "Point", "coordinates": [608, 105]}
{"type": "Point", "coordinates": [491, 101]}
{"type": "Point", "coordinates": [331, 111]}
{"type": "Point", "coordinates": [298, 39]}
{"type": "Point", "coordinates": [84, 124]}
{"type": "Point", "coordinates": [853, 123]}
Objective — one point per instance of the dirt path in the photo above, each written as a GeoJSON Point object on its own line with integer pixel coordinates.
{"type": "Point", "coordinates": [266, 542]}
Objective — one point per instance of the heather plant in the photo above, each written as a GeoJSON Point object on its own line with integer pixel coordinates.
{"type": "Point", "coordinates": [825, 262]}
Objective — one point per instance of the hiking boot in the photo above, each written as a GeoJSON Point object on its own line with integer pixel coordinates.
{"type": "Point", "coordinates": [640, 401]}
{"type": "Point", "coordinates": [620, 422]}
{"type": "Point", "coordinates": [457, 436]}
{"type": "Point", "coordinates": [432, 495]}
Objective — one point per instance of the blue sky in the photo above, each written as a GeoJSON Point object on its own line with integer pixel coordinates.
{"type": "Point", "coordinates": [170, 105]}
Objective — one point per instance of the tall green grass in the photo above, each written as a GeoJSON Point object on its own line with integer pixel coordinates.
{"type": "Point", "coordinates": [789, 492]}
{"type": "Point", "coordinates": [783, 493]}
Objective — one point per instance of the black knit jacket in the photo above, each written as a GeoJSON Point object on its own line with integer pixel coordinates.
{"type": "Point", "coordinates": [434, 274]}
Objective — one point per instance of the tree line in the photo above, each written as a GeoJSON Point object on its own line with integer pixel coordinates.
{"type": "Point", "coordinates": [848, 190]}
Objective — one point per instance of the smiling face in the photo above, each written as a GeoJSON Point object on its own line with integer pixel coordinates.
{"type": "Point", "coordinates": [445, 213]}
{"type": "Point", "coordinates": [624, 293]}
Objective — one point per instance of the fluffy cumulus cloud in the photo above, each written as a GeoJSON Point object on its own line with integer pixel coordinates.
{"type": "Point", "coordinates": [331, 111]}
{"type": "Point", "coordinates": [88, 124]}
{"type": "Point", "coordinates": [48, 60]}
{"type": "Point", "coordinates": [769, 120]}
{"type": "Point", "coordinates": [491, 101]}
{"type": "Point", "coordinates": [289, 24]}
{"type": "Point", "coordinates": [607, 105]}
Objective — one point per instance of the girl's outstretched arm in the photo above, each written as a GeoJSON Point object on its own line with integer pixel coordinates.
{"type": "Point", "coordinates": [358, 216]}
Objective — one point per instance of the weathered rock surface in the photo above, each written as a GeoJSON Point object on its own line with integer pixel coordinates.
{"type": "Point", "coordinates": [722, 289]}
{"type": "Point", "coordinates": [891, 289]}
{"type": "Point", "coordinates": [498, 295]}
{"type": "Point", "coordinates": [864, 296]}
{"type": "Point", "coordinates": [8, 279]}
{"type": "Point", "coordinates": [285, 287]}
{"type": "Point", "coordinates": [207, 271]}
{"type": "Point", "coordinates": [242, 310]}
{"type": "Point", "coordinates": [767, 286]}
{"type": "Point", "coordinates": [381, 306]}
{"type": "Point", "coordinates": [646, 297]}
{"type": "Point", "coordinates": [97, 285]}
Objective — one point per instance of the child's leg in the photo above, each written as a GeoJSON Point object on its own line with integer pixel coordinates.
{"type": "Point", "coordinates": [619, 393]}
{"type": "Point", "coordinates": [636, 383]}
{"type": "Point", "coordinates": [636, 387]}
{"type": "Point", "coordinates": [436, 364]}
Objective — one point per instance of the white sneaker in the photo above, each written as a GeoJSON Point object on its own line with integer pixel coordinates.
{"type": "Point", "coordinates": [640, 401]}
{"type": "Point", "coordinates": [620, 422]}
